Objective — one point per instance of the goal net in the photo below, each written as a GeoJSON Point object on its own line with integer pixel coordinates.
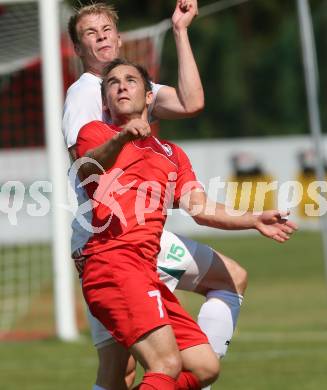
{"type": "Point", "coordinates": [26, 270]}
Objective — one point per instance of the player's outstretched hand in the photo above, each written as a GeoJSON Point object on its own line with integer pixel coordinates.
{"type": "Point", "coordinates": [184, 13]}
{"type": "Point", "coordinates": [135, 129]}
{"type": "Point", "coordinates": [274, 224]}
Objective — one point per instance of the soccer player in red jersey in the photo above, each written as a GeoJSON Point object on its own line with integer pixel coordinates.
{"type": "Point", "coordinates": [138, 178]}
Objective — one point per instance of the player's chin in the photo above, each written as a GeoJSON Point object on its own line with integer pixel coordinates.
{"type": "Point", "coordinates": [105, 57]}
{"type": "Point", "coordinates": [123, 108]}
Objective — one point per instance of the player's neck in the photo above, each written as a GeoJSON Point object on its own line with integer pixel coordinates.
{"type": "Point", "coordinates": [96, 70]}
{"type": "Point", "coordinates": [122, 120]}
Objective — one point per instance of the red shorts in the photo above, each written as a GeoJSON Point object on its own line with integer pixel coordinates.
{"type": "Point", "coordinates": [124, 293]}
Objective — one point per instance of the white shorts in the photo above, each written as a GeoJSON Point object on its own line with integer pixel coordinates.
{"type": "Point", "coordinates": [182, 263]}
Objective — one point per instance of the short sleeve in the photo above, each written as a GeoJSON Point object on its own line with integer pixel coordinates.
{"type": "Point", "coordinates": [83, 104]}
{"type": "Point", "coordinates": [155, 90]}
{"type": "Point", "coordinates": [186, 178]}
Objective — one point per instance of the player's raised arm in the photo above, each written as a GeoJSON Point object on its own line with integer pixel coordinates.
{"type": "Point", "coordinates": [188, 99]}
{"type": "Point", "coordinates": [271, 223]}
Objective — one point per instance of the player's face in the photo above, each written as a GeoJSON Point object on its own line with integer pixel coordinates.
{"type": "Point", "coordinates": [125, 93]}
{"type": "Point", "coordinates": [99, 41]}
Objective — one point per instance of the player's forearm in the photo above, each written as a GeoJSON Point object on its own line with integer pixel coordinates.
{"type": "Point", "coordinates": [105, 155]}
{"type": "Point", "coordinates": [270, 223]}
{"type": "Point", "coordinates": [190, 90]}
{"type": "Point", "coordinates": [209, 213]}
{"type": "Point", "coordinates": [220, 217]}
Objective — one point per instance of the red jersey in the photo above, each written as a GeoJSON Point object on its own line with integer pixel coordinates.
{"type": "Point", "coordinates": [129, 199]}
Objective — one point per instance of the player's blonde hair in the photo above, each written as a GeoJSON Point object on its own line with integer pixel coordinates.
{"type": "Point", "coordinates": [92, 9]}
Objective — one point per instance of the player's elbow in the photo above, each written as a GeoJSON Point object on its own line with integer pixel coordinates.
{"type": "Point", "coordinates": [194, 203]}
{"type": "Point", "coordinates": [198, 212]}
{"type": "Point", "coordinates": [201, 219]}
{"type": "Point", "coordinates": [88, 167]}
{"type": "Point", "coordinates": [194, 107]}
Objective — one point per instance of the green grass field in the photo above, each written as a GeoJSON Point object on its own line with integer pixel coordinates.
{"type": "Point", "coordinates": [280, 342]}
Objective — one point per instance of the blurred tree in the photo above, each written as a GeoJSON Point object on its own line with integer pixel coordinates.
{"type": "Point", "coordinates": [250, 62]}
{"type": "Point", "coordinates": [251, 66]}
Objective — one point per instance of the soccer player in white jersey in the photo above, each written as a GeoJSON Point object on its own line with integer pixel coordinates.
{"type": "Point", "coordinates": [182, 263]}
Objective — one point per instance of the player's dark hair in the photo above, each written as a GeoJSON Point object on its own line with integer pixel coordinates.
{"type": "Point", "coordinates": [121, 61]}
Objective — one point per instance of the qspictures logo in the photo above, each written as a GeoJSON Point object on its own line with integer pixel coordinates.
{"type": "Point", "coordinates": [33, 200]}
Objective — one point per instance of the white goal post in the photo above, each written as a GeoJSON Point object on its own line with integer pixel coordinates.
{"type": "Point", "coordinates": [53, 103]}
{"type": "Point", "coordinates": [311, 77]}
{"type": "Point", "coordinates": [44, 27]}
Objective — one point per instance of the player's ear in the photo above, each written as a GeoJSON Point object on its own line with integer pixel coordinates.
{"type": "Point", "coordinates": [119, 41]}
{"type": "Point", "coordinates": [104, 101]}
{"type": "Point", "coordinates": [78, 50]}
{"type": "Point", "coordinates": [148, 97]}
{"type": "Point", "coordinates": [105, 107]}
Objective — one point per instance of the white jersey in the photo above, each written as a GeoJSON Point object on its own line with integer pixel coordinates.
{"type": "Point", "coordinates": [83, 104]}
